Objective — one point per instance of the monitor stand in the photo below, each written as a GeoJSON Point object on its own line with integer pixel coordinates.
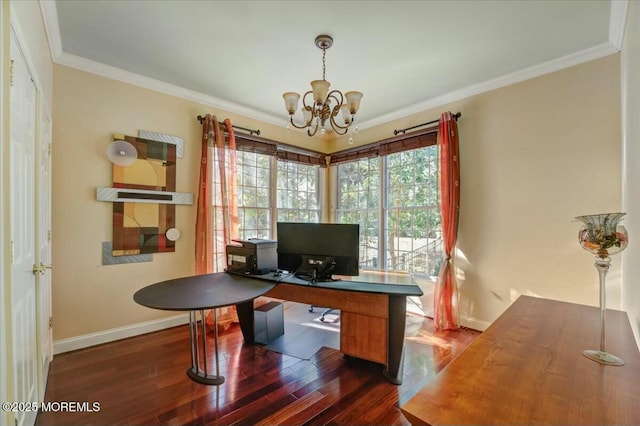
{"type": "Point", "coordinates": [315, 269]}
{"type": "Point", "coordinates": [317, 276]}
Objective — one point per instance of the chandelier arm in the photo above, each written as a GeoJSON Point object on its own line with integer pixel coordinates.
{"type": "Point", "coordinates": [334, 123]}
{"type": "Point", "coordinates": [332, 94]}
{"type": "Point", "coordinates": [295, 125]}
{"type": "Point", "coordinates": [315, 129]}
{"type": "Point", "coordinates": [338, 97]}
{"type": "Point", "coordinates": [341, 130]}
{"type": "Point", "coordinates": [304, 100]}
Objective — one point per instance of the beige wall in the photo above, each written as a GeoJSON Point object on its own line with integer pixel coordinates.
{"type": "Point", "coordinates": [630, 65]}
{"type": "Point", "coordinates": [89, 297]}
{"type": "Point", "coordinates": [533, 156]}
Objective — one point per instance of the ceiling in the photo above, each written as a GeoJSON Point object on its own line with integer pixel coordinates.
{"type": "Point", "coordinates": [403, 55]}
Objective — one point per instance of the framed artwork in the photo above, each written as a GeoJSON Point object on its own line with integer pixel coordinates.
{"type": "Point", "coordinates": [144, 199]}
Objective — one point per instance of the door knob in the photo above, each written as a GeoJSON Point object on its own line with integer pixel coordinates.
{"type": "Point", "coordinates": [42, 269]}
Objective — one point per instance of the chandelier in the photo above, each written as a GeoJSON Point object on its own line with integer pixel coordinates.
{"type": "Point", "coordinates": [326, 104]}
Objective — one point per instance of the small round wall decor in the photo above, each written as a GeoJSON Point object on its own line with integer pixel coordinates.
{"type": "Point", "coordinates": [172, 234]}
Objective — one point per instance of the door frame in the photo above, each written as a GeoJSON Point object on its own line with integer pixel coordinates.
{"type": "Point", "coordinates": [43, 349]}
{"type": "Point", "coordinates": [4, 56]}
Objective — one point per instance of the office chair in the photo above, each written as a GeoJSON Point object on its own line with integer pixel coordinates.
{"type": "Point", "coordinates": [325, 312]}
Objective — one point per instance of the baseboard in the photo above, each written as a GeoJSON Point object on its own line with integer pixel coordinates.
{"type": "Point", "coordinates": [92, 339]}
{"type": "Point", "coordinates": [474, 323]}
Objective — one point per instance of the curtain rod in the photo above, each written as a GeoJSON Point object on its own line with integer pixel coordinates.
{"type": "Point", "coordinates": [403, 131]}
{"type": "Point", "coordinates": [257, 132]}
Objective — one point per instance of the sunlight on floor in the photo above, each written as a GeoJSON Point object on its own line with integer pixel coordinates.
{"type": "Point", "coordinates": [425, 338]}
{"type": "Point", "coordinates": [321, 326]}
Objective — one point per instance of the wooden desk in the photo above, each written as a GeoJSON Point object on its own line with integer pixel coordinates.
{"type": "Point", "coordinates": [372, 315]}
{"type": "Point", "coordinates": [372, 318]}
{"type": "Point", "coordinates": [528, 368]}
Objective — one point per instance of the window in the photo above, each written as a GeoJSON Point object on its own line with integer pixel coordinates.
{"type": "Point", "coordinates": [358, 192]}
{"type": "Point", "coordinates": [298, 197]}
{"type": "Point", "coordinates": [254, 203]}
{"type": "Point", "coordinates": [394, 198]}
{"type": "Point", "coordinates": [412, 216]}
{"type": "Point", "coordinates": [268, 190]}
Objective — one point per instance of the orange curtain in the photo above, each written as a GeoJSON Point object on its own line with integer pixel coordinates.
{"type": "Point", "coordinates": [225, 161]}
{"type": "Point", "coordinates": [228, 171]}
{"type": "Point", "coordinates": [446, 293]}
{"type": "Point", "coordinates": [204, 230]}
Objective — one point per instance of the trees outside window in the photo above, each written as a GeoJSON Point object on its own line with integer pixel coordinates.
{"type": "Point", "coordinates": [254, 198]}
{"type": "Point", "coordinates": [298, 198]}
{"type": "Point", "coordinates": [394, 198]}
{"type": "Point", "coordinates": [358, 192]}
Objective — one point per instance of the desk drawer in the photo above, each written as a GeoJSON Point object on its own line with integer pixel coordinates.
{"type": "Point", "coordinates": [375, 305]}
{"type": "Point", "coordinates": [364, 337]}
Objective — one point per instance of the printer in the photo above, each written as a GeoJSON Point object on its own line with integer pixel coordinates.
{"type": "Point", "coordinates": [253, 256]}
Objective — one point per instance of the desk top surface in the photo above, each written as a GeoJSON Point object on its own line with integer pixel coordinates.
{"type": "Point", "coordinates": [528, 368]}
{"type": "Point", "coordinates": [201, 292]}
{"type": "Point", "coordinates": [367, 283]}
{"type": "Point", "coordinates": [224, 289]}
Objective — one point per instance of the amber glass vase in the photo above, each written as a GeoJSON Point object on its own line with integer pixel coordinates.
{"type": "Point", "coordinates": [602, 235]}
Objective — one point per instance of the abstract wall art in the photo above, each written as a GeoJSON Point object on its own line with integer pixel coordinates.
{"type": "Point", "coordinates": [144, 198]}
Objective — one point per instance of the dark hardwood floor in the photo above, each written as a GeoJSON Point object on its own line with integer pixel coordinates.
{"type": "Point", "coordinates": [142, 381]}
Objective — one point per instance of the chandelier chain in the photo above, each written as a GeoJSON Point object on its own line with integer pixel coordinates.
{"type": "Point", "coordinates": [324, 65]}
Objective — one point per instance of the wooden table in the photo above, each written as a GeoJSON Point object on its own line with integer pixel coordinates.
{"type": "Point", "coordinates": [528, 368]}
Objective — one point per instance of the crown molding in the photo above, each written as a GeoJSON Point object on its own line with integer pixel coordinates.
{"type": "Point", "coordinates": [577, 58]}
{"type": "Point", "coordinates": [616, 32]}
{"type": "Point", "coordinates": [617, 21]}
{"type": "Point", "coordinates": [51, 27]}
{"type": "Point", "coordinates": [118, 74]}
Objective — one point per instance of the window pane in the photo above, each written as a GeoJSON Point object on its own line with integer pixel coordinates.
{"type": "Point", "coordinates": [410, 235]}
{"type": "Point", "coordinates": [412, 215]}
{"type": "Point", "coordinates": [357, 203]}
{"type": "Point", "coordinates": [297, 192]}
{"type": "Point", "coordinates": [253, 182]}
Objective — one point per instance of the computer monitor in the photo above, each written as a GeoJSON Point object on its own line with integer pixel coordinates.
{"type": "Point", "coordinates": [316, 251]}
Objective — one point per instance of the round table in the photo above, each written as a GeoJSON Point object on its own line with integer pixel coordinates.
{"type": "Point", "coordinates": [196, 294]}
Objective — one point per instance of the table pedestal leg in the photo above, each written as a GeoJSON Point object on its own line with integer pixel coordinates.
{"type": "Point", "coordinates": [245, 316]}
{"type": "Point", "coordinates": [195, 372]}
{"type": "Point", "coordinates": [395, 341]}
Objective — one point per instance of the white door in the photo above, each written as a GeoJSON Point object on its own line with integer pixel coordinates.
{"type": "Point", "coordinates": [44, 250]}
{"type": "Point", "coordinates": [23, 339]}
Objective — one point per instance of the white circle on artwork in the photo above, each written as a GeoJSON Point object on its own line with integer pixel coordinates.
{"type": "Point", "coordinates": [172, 234]}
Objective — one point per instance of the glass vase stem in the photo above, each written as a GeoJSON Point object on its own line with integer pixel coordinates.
{"type": "Point", "coordinates": [602, 356]}
{"type": "Point", "coordinates": [602, 265]}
